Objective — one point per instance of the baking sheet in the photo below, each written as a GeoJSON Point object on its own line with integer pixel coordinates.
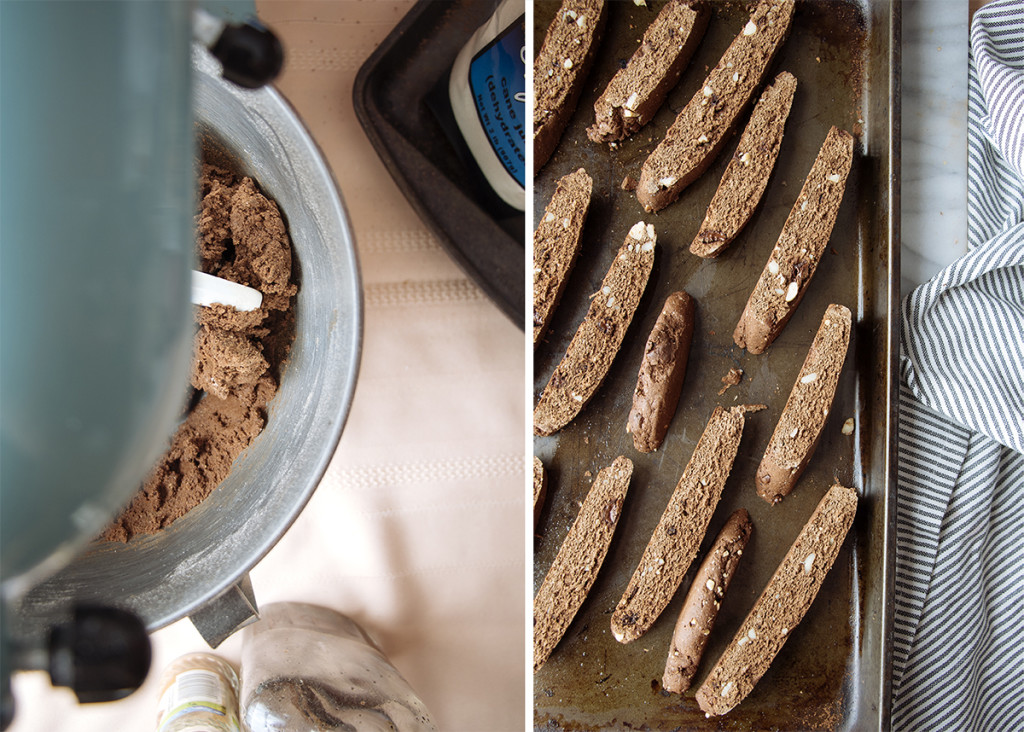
{"type": "Point", "coordinates": [833, 672]}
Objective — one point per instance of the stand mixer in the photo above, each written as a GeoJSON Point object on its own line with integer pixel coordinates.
{"type": "Point", "coordinates": [98, 151]}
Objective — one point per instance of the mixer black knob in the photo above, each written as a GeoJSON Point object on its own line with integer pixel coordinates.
{"type": "Point", "coordinates": [102, 653]}
{"type": "Point", "coordinates": [251, 55]}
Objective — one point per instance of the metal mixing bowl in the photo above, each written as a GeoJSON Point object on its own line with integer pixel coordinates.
{"type": "Point", "coordinates": [196, 566]}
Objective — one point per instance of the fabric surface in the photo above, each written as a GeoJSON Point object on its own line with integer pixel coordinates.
{"type": "Point", "coordinates": [959, 584]}
{"type": "Point", "coordinates": [418, 528]}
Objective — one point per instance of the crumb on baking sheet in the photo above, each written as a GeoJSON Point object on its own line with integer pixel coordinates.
{"type": "Point", "coordinates": [731, 379]}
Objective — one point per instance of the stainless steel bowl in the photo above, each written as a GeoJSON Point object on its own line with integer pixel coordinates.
{"type": "Point", "coordinates": [198, 566]}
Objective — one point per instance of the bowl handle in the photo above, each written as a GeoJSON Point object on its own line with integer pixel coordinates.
{"type": "Point", "coordinates": [229, 611]}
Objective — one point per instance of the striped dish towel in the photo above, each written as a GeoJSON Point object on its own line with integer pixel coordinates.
{"type": "Point", "coordinates": [959, 627]}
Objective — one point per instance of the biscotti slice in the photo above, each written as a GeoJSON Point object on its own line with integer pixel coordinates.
{"type": "Point", "coordinates": [597, 340]}
{"type": "Point", "coordinates": [700, 609]}
{"type": "Point", "coordinates": [746, 176]}
{"type": "Point", "coordinates": [637, 91]}
{"type": "Point", "coordinates": [539, 488]}
{"type": "Point", "coordinates": [782, 604]}
{"type": "Point", "coordinates": [572, 574]}
{"type": "Point", "coordinates": [661, 373]}
{"type": "Point", "coordinates": [561, 68]}
{"type": "Point", "coordinates": [801, 244]}
{"type": "Point", "coordinates": [705, 124]}
{"type": "Point", "coordinates": [556, 243]}
{"type": "Point", "coordinates": [678, 535]}
{"type": "Point", "coordinates": [802, 419]}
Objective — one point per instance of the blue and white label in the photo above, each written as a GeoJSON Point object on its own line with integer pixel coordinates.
{"type": "Point", "coordinates": [497, 78]}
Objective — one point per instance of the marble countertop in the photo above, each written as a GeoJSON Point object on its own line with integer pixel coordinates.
{"type": "Point", "coordinates": [933, 213]}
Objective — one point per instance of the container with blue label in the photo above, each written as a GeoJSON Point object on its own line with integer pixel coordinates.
{"type": "Point", "coordinates": [487, 91]}
{"type": "Point", "coordinates": [443, 101]}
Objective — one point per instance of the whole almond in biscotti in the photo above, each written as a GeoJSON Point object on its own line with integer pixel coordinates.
{"type": "Point", "coordinates": [597, 340]}
{"type": "Point", "coordinates": [556, 244]}
{"type": "Point", "coordinates": [662, 371]}
{"type": "Point", "coordinates": [705, 124]}
{"type": "Point", "coordinates": [679, 532]}
{"type": "Point", "coordinates": [700, 608]}
{"type": "Point", "coordinates": [800, 247]}
{"type": "Point", "coordinates": [638, 90]}
{"type": "Point", "coordinates": [560, 69]}
{"type": "Point", "coordinates": [746, 176]}
{"type": "Point", "coordinates": [803, 418]}
{"type": "Point", "coordinates": [572, 574]}
{"type": "Point", "coordinates": [782, 604]}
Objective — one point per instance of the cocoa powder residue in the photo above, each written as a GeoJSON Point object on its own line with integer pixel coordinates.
{"type": "Point", "coordinates": [237, 356]}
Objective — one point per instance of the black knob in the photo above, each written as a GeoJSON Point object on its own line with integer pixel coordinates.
{"type": "Point", "coordinates": [251, 55]}
{"type": "Point", "coordinates": [102, 654]}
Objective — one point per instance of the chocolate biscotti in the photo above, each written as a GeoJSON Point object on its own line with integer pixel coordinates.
{"type": "Point", "coordinates": [746, 176]}
{"type": "Point", "coordinates": [597, 340]}
{"type": "Point", "coordinates": [705, 124]}
{"type": "Point", "coordinates": [800, 246]}
{"type": "Point", "coordinates": [540, 484]}
{"type": "Point", "coordinates": [700, 608]}
{"type": "Point", "coordinates": [661, 373]}
{"type": "Point", "coordinates": [572, 574]}
{"type": "Point", "coordinates": [556, 244]}
{"type": "Point", "coordinates": [802, 419]}
{"type": "Point", "coordinates": [679, 532]}
{"type": "Point", "coordinates": [560, 69]}
{"type": "Point", "coordinates": [782, 604]}
{"type": "Point", "coordinates": [637, 91]}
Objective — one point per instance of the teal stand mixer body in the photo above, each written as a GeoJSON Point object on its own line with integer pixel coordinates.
{"type": "Point", "coordinates": [97, 148]}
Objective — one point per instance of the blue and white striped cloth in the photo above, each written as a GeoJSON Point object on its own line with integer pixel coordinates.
{"type": "Point", "coordinates": [959, 627]}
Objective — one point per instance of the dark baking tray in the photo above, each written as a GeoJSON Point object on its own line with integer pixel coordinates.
{"type": "Point", "coordinates": [834, 672]}
{"type": "Point", "coordinates": [390, 95]}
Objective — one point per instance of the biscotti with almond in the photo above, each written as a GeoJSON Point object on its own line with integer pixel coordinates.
{"type": "Point", "coordinates": [661, 375]}
{"type": "Point", "coordinates": [560, 70]}
{"type": "Point", "coordinates": [579, 559]}
{"type": "Point", "coordinates": [746, 176]}
{"type": "Point", "coordinates": [800, 246]}
{"type": "Point", "coordinates": [540, 484]}
{"type": "Point", "coordinates": [705, 124]}
{"type": "Point", "coordinates": [639, 89]}
{"type": "Point", "coordinates": [782, 604]}
{"type": "Point", "coordinates": [677, 537]}
{"type": "Point", "coordinates": [802, 419]}
{"type": "Point", "coordinates": [700, 608]}
{"type": "Point", "coordinates": [556, 244]}
{"type": "Point", "coordinates": [597, 340]}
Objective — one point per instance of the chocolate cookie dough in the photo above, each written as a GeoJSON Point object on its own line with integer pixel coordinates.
{"type": "Point", "coordinates": [237, 356]}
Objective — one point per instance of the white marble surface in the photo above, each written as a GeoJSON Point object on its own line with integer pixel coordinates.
{"type": "Point", "coordinates": [934, 138]}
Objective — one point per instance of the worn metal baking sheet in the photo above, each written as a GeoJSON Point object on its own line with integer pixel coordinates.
{"type": "Point", "coordinates": [834, 672]}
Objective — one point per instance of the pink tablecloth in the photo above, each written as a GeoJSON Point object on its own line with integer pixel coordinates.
{"type": "Point", "coordinates": [418, 528]}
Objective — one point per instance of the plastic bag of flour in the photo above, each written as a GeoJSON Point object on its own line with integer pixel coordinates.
{"type": "Point", "coordinates": [307, 668]}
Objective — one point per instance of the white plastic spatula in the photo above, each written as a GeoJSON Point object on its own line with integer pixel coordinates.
{"type": "Point", "coordinates": [208, 290]}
